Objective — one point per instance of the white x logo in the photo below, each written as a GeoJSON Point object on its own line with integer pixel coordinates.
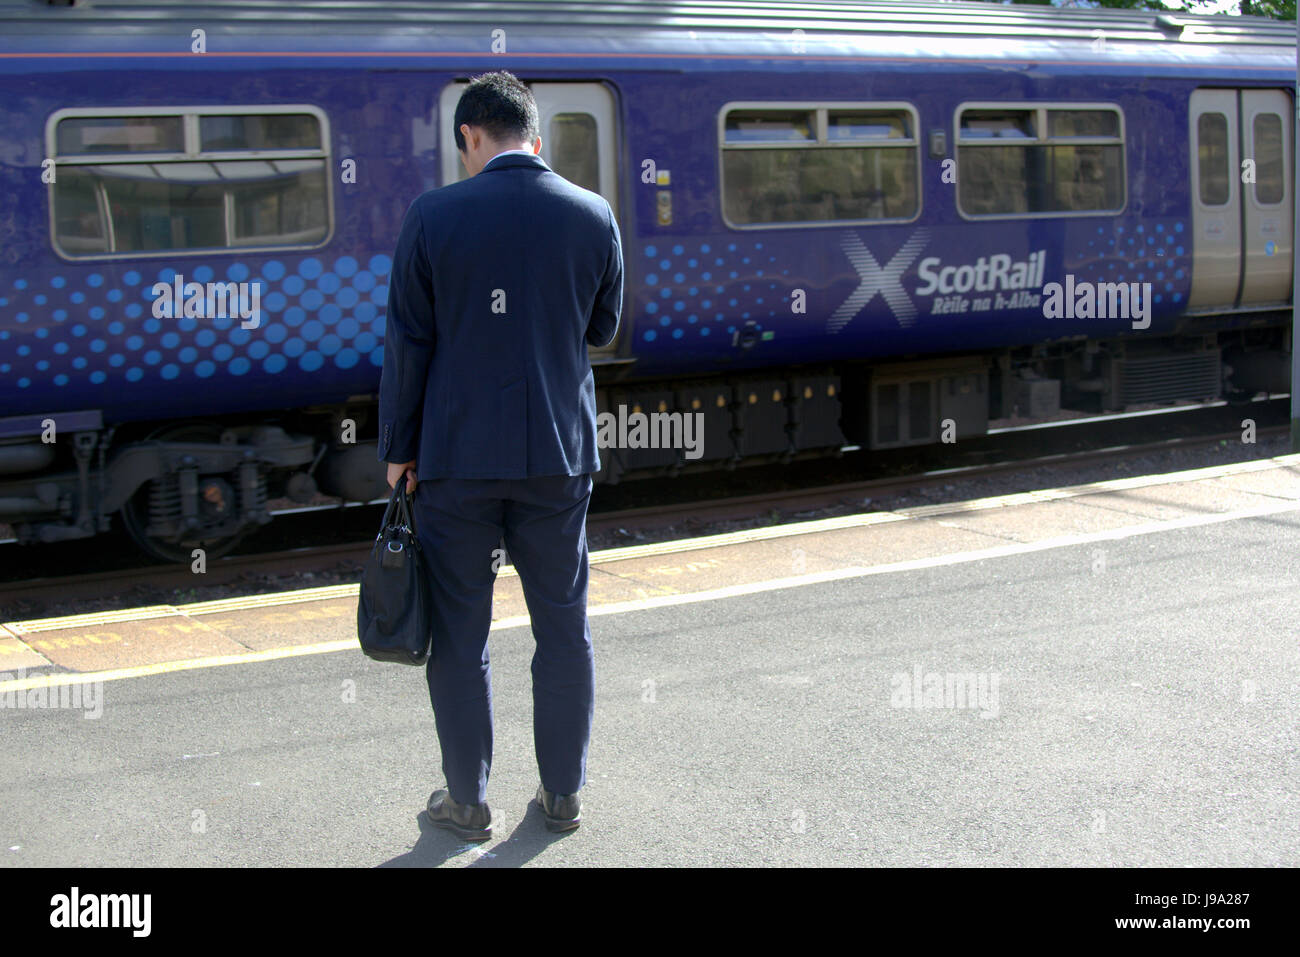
{"type": "Point", "coordinates": [887, 280]}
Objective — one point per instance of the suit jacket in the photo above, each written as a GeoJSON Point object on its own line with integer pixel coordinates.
{"type": "Point", "coordinates": [498, 284]}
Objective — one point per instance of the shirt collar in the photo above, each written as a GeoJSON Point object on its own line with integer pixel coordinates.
{"type": "Point", "coordinates": [505, 152]}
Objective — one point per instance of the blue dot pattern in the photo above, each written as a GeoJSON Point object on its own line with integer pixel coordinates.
{"type": "Point", "coordinates": [313, 313]}
{"type": "Point", "coordinates": [691, 289]}
{"type": "Point", "coordinates": [1155, 252]}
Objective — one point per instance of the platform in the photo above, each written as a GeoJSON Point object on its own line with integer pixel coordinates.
{"type": "Point", "coordinates": [1098, 675]}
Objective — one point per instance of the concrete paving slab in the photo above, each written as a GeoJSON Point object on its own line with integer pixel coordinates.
{"type": "Point", "coordinates": [1175, 501]}
{"type": "Point", "coordinates": [284, 626]}
{"type": "Point", "coordinates": [1042, 520]}
{"type": "Point", "coordinates": [1281, 482]}
{"type": "Point", "coordinates": [14, 654]}
{"type": "Point", "coordinates": [154, 640]}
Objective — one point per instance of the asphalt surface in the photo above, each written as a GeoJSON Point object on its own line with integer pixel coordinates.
{"type": "Point", "coordinates": [1145, 709]}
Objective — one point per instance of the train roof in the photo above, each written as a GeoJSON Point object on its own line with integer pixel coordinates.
{"type": "Point", "coordinates": [759, 27]}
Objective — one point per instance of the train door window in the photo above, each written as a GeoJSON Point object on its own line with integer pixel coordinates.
{"type": "Point", "coordinates": [810, 164]}
{"type": "Point", "coordinates": [1269, 182]}
{"type": "Point", "coordinates": [575, 153]}
{"type": "Point", "coordinates": [1212, 158]}
{"type": "Point", "coordinates": [1041, 160]}
{"type": "Point", "coordinates": [188, 179]}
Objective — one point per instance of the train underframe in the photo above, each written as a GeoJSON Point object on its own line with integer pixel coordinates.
{"type": "Point", "coordinates": [176, 487]}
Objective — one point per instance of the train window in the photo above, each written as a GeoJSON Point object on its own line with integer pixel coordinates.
{"type": "Point", "coordinates": [283, 207]}
{"type": "Point", "coordinates": [200, 188]}
{"type": "Point", "coordinates": [80, 223]}
{"type": "Point", "coordinates": [770, 126]}
{"type": "Point", "coordinates": [1082, 123]}
{"type": "Point", "coordinates": [1039, 161]}
{"type": "Point", "coordinates": [1003, 124]}
{"type": "Point", "coordinates": [287, 131]}
{"type": "Point", "coordinates": [842, 125]}
{"type": "Point", "coordinates": [784, 165]}
{"type": "Point", "coordinates": [93, 135]}
{"type": "Point", "coordinates": [147, 212]}
{"type": "Point", "coordinates": [1269, 187]}
{"type": "Point", "coordinates": [575, 154]}
{"type": "Point", "coordinates": [1212, 157]}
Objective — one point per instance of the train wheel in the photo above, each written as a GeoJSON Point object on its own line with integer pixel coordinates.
{"type": "Point", "coordinates": [216, 497]}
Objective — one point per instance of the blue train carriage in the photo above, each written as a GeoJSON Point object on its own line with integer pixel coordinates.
{"type": "Point", "coordinates": [884, 223]}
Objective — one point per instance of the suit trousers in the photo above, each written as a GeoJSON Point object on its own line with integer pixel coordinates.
{"type": "Point", "coordinates": [543, 522]}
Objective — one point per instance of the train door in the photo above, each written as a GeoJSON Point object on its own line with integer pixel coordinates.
{"type": "Point", "coordinates": [1241, 180]}
{"type": "Point", "coordinates": [578, 142]}
{"type": "Point", "coordinates": [1268, 205]}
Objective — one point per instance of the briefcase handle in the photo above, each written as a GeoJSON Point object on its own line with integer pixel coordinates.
{"type": "Point", "coordinates": [398, 502]}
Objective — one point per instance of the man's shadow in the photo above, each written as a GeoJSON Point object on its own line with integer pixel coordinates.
{"type": "Point", "coordinates": [437, 845]}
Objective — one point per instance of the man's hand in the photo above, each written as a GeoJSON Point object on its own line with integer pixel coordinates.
{"type": "Point", "coordinates": [395, 471]}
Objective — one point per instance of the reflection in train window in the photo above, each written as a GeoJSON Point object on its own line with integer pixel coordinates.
{"type": "Point", "coordinates": [94, 135]}
{"type": "Point", "coordinates": [283, 131]}
{"type": "Point", "coordinates": [574, 150]}
{"type": "Point", "coordinates": [1269, 184]}
{"type": "Point", "coordinates": [79, 222]}
{"type": "Point", "coordinates": [815, 165]}
{"type": "Point", "coordinates": [1040, 160]}
{"type": "Point", "coordinates": [1212, 158]}
{"type": "Point", "coordinates": [199, 193]}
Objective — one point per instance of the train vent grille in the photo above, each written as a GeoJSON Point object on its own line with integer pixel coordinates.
{"type": "Point", "coordinates": [1195, 375]}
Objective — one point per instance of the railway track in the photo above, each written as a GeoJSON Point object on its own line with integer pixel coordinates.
{"type": "Point", "coordinates": [328, 563]}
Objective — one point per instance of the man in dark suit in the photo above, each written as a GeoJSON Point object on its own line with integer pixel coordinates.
{"type": "Point", "coordinates": [499, 283]}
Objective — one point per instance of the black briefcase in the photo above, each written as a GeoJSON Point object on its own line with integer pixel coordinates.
{"type": "Point", "coordinates": [395, 610]}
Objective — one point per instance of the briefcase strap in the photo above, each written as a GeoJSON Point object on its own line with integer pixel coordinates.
{"type": "Point", "coordinates": [399, 509]}
{"type": "Point", "coordinates": [404, 506]}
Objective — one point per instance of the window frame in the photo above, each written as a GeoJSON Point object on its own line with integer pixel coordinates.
{"type": "Point", "coordinates": [819, 108]}
{"type": "Point", "coordinates": [1041, 108]}
{"type": "Point", "coordinates": [191, 154]}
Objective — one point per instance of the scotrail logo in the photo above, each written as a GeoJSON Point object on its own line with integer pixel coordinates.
{"type": "Point", "coordinates": [997, 274]}
{"type": "Point", "coordinates": [886, 280]}
{"type": "Point", "coordinates": [990, 283]}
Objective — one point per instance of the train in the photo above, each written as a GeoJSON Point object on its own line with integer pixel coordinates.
{"type": "Point", "coordinates": [879, 224]}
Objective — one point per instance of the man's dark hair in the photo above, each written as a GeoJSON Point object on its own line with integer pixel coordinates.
{"type": "Point", "coordinates": [501, 105]}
